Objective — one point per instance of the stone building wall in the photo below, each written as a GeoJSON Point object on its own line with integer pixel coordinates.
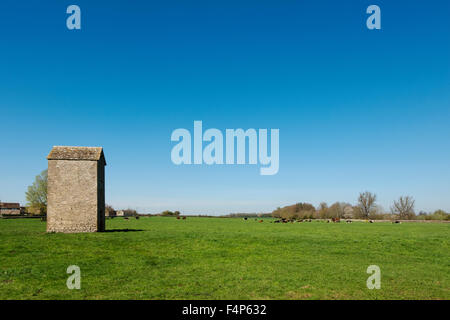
{"type": "Point", "coordinates": [9, 208]}
{"type": "Point", "coordinates": [76, 200]}
{"type": "Point", "coordinates": [8, 212]}
{"type": "Point", "coordinates": [101, 196]}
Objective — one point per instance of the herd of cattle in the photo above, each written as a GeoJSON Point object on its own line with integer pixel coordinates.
{"type": "Point", "coordinates": [334, 220]}
{"type": "Point", "coordinates": [284, 220]}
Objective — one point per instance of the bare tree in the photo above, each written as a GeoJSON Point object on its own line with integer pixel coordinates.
{"type": "Point", "coordinates": [337, 210]}
{"type": "Point", "coordinates": [322, 210]}
{"type": "Point", "coordinates": [404, 207]}
{"type": "Point", "coordinates": [366, 203]}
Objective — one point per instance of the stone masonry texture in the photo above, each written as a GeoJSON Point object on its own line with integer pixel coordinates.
{"type": "Point", "coordinates": [76, 190]}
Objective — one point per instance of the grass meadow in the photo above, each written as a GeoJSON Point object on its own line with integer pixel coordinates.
{"type": "Point", "coordinates": [225, 258]}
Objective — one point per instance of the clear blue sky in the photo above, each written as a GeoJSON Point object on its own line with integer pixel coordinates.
{"type": "Point", "coordinates": [357, 109]}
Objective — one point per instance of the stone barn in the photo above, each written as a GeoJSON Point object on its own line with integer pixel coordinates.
{"type": "Point", "coordinates": [76, 189]}
{"type": "Point", "coordinates": [7, 208]}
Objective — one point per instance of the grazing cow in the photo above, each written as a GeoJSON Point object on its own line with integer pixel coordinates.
{"type": "Point", "coordinates": [126, 218]}
{"type": "Point", "coordinates": [184, 218]}
{"type": "Point", "coordinates": [137, 217]}
{"type": "Point", "coordinates": [276, 221]}
{"type": "Point", "coordinates": [371, 221]}
{"type": "Point", "coordinates": [260, 220]}
{"type": "Point", "coordinates": [178, 218]}
{"type": "Point", "coordinates": [348, 221]}
{"type": "Point", "coordinates": [245, 218]}
{"type": "Point", "coordinates": [336, 219]}
{"type": "Point", "coordinates": [396, 221]}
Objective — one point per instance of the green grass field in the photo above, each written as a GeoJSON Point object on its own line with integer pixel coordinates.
{"type": "Point", "coordinates": [218, 258]}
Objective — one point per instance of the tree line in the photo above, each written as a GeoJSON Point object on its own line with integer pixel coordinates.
{"type": "Point", "coordinates": [366, 208]}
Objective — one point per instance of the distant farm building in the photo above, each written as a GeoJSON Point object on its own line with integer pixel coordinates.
{"type": "Point", "coordinates": [8, 209]}
{"type": "Point", "coordinates": [120, 213]}
{"type": "Point", "coordinates": [76, 189]}
{"type": "Point", "coordinates": [126, 213]}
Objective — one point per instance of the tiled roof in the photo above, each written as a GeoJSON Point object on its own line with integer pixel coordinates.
{"type": "Point", "coordinates": [76, 153]}
{"type": "Point", "coordinates": [6, 205]}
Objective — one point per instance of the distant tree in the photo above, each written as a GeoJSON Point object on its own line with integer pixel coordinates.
{"type": "Point", "coordinates": [357, 213]}
{"type": "Point", "coordinates": [130, 213]}
{"type": "Point", "coordinates": [323, 210]}
{"type": "Point", "coordinates": [296, 211]}
{"type": "Point", "coordinates": [109, 210]}
{"type": "Point", "coordinates": [440, 215]}
{"type": "Point", "coordinates": [338, 210]}
{"type": "Point", "coordinates": [366, 203]}
{"type": "Point", "coordinates": [304, 211]}
{"type": "Point", "coordinates": [245, 215]}
{"type": "Point", "coordinates": [36, 195]}
{"type": "Point", "coordinates": [277, 213]}
{"type": "Point", "coordinates": [404, 207]}
{"type": "Point", "coordinates": [348, 212]}
{"type": "Point", "coordinates": [170, 213]}
{"type": "Point", "coordinates": [377, 212]}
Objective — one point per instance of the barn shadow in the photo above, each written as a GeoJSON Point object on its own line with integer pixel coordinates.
{"type": "Point", "coordinates": [123, 230]}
